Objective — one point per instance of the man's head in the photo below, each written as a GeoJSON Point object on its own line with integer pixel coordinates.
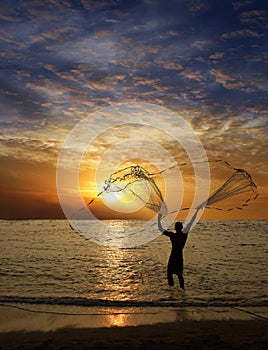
{"type": "Point", "coordinates": [178, 226]}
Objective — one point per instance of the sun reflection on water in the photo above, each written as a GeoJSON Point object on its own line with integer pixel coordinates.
{"type": "Point", "coordinates": [118, 320]}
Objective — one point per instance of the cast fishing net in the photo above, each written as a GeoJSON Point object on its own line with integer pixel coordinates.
{"type": "Point", "coordinates": [143, 185]}
{"type": "Point", "coordinates": [136, 181]}
{"type": "Point", "coordinates": [239, 183]}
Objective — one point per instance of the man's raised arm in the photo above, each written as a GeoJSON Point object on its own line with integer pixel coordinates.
{"type": "Point", "coordinates": [160, 224]}
{"type": "Point", "coordinates": [188, 227]}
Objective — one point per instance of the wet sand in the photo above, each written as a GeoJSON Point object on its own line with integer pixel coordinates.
{"type": "Point", "coordinates": [60, 327]}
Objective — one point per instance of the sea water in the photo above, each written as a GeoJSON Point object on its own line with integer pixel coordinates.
{"type": "Point", "coordinates": [45, 261]}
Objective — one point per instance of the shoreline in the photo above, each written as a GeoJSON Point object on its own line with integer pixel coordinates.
{"type": "Point", "coordinates": [74, 327]}
{"type": "Point", "coordinates": [50, 317]}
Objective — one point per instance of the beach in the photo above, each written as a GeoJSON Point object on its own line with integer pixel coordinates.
{"type": "Point", "coordinates": [186, 335]}
{"type": "Point", "coordinates": [62, 327]}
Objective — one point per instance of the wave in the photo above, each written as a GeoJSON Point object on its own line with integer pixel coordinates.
{"type": "Point", "coordinates": [71, 301]}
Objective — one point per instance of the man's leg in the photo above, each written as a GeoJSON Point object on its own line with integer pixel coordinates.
{"type": "Point", "coordinates": [170, 278]}
{"type": "Point", "coordinates": [180, 274]}
{"type": "Point", "coordinates": [181, 280]}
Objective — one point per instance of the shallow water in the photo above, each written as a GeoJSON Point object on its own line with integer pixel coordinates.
{"type": "Point", "coordinates": [44, 261]}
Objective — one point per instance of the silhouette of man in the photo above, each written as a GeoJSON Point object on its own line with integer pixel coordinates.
{"type": "Point", "coordinates": [178, 240]}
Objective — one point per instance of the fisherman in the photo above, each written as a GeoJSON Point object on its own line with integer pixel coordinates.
{"type": "Point", "coordinates": [178, 240]}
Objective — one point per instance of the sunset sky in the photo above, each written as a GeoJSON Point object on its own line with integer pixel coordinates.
{"type": "Point", "coordinates": [64, 60]}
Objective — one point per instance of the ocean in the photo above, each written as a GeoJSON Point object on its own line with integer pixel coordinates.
{"type": "Point", "coordinates": [46, 262]}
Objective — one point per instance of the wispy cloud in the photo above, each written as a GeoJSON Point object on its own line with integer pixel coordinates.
{"type": "Point", "coordinates": [255, 17]}
{"type": "Point", "coordinates": [241, 4]}
{"type": "Point", "coordinates": [23, 148]}
{"type": "Point", "coordinates": [242, 33]}
{"type": "Point", "coordinates": [231, 80]}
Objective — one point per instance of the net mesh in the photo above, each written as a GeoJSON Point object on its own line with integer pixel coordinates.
{"type": "Point", "coordinates": [239, 183]}
{"type": "Point", "coordinates": [138, 182]}
{"type": "Point", "coordinates": [142, 184]}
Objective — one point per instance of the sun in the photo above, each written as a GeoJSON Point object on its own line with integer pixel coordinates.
{"type": "Point", "coordinates": [124, 201]}
{"type": "Point", "coordinates": [124, 196]}
{"type": "Point", "coordinates": [111, 197]}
